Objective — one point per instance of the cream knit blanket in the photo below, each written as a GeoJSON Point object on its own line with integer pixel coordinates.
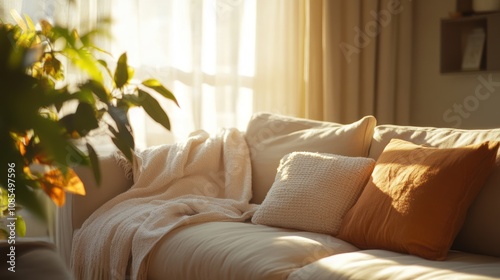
{"type": "Point", "coordinates": [205, 178]}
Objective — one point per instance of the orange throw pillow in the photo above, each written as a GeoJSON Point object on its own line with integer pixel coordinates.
{"type": "Point", "coordinates": [417, 198]}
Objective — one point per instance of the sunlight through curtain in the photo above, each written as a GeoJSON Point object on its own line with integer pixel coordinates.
{"type": "Point", "coordinates": [203, 51]}
{"type": "Point", "coordinates": [225, 59]}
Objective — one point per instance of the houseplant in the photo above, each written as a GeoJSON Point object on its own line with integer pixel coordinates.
{"type": "Point", "coordinates": [46, 123]}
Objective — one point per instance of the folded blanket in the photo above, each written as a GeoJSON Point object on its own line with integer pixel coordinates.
{"type": "Point", "coordinates": [205, 178]}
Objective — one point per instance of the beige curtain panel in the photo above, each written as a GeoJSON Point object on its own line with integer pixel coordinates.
{"type": "Point", "coordinates": [359, 60]}
{"type": "Point", "coordinates": [334, 60]}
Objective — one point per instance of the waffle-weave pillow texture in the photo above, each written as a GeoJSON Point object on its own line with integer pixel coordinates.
{"type": "Point", "coordinates": [313, 191]}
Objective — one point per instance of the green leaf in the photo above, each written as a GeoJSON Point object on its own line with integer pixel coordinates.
{"type": "Point", "coordinates": [94, 162]}
{"type": "Point", "coordinates": [82, 121]}
{"type": "Point", "coordinates": [122, 139]}
{"type": "Point", "coordinates": [20, 226]}
{"type": "Point", "coordinates": [51, 138]}
{"type": "Point", "coordinates": [123, 147]}
{"type": "Point", "coordinates": [61, 32]}
{"type": "Point", "coordinates": [121, 73]}
{"type": "Point", "coordinates": [105, 65]}
{"type": "Point", "coordinates": [29, 22]}
{"type": "Point", "coordinates": [153, 108]}
{"type": "Point", "coordinates": [98, 89]}
{"type": "Point", "coordinates": [60, 96]}
{"type": "Point", "coordinates": [87, 38]}
{"type": "Point", "coordinates": [100, 50]}
{"type": "Point", "coordinates": [86, 120]}
{"type": "Point", "coordinates": [127, 102]}
{"type": "Point", "coordinates": [4, 201]}
{"type": "Point", "coordinates": [74, 156]}
{"type": "Point", "coordinates": [84, 96]}
{"type": "Point", "coordinates": [26, 196]}
{"type": "Point", "coordinates": [158, 87]}
{"type": "Point", "coordinates": [119, 115]}
{"type": "Point", "coordinates": [84, 60]}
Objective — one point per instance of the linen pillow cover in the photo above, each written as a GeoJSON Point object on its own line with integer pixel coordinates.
{"type": "Point", "coordinates": [314, 191]}
{"type": "Point", "coordinates": [418, 197]}
{"type": "Point", "coordinates": [481, 228]}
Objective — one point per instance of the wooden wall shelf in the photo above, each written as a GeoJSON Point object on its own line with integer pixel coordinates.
{"type": "Point", "coordinates": [453, 37]}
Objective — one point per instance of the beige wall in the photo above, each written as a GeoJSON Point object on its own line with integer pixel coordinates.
{"type": "Point", "coordinates": [434, 94]}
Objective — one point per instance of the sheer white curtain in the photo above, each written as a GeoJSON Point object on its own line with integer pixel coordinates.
{"type": "Point", "coordinates": [279, 79]}
{"type": "Point", "coordinates": [203, 51]}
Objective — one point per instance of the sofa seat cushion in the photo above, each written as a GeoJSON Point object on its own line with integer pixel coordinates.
{"type": "Point", "coordinates": [232, 250]}
{"type": "Point", "coordinates": [381, 264]}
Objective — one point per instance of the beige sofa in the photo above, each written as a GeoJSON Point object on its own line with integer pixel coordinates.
{"type": "Point", "coordinates": [237, 250]}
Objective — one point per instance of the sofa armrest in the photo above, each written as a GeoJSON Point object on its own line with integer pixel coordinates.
{"type": "Point", "coordinates": [78, 208]}
{"type": "Point", "coordinates": [113, 182]}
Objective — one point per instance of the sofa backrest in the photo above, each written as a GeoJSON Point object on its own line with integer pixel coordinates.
{"type": "Point", "coordinates": [271, 136]}
{"type": "Point", "coordinates": [481, 230]}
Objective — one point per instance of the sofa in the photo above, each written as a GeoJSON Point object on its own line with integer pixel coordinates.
{"type": "Point", "coordinates": [338, 201]}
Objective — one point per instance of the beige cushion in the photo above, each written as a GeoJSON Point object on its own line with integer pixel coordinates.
{"type": "Point", "coordinates": [481, 229]}
{"type": "Point", "coordinates": [243, 251]}
{"type": "Point", "coordinates": [314, 191]}
{"type": "Point", "coordinates": [382, 265]}
{"type": "Point", "coordinates": [271, 136]}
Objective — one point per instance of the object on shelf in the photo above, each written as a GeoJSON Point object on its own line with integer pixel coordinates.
{"type": "Point", "coordinates": [474, 47]}
{"type": "Point", "coordinates": [454, 37]}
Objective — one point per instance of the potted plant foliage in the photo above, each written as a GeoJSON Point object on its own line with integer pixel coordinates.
{"type": "Point", "coordinates": [40, 142]}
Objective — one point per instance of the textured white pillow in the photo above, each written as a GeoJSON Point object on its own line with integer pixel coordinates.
{"type": "Point", "coordinates": [313, 191]}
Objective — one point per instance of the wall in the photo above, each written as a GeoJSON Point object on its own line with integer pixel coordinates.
{"type": "Point", "coordinates": [434, 94]}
